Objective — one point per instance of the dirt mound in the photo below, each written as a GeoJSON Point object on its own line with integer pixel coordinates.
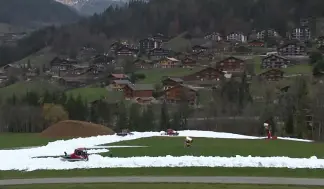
{"type": "Point", "coordinates": [70, 128]}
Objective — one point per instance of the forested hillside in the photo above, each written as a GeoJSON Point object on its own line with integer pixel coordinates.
{"type": "Point", "coordinates": [35, 12]}
{"type": "Point", "coordinates": [171, 17]}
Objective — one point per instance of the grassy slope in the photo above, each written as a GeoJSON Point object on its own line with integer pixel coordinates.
{"type": "Point", "coordinates": [162, 146]}
{"type": "Point", "coordinates": [91, 94]}
{"type": "Point", "coordinates": [155, 76]}
{"type": "Point", "coordinates": [156, 186]}
{"type": "Point", "coordinates": [42, 57]}
{"type": "Point", "coordinates": [22, 88]}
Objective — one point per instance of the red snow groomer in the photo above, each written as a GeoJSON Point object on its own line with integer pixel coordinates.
{"type": "Point", "coordinates": [79, 154]}
{"type": "Point", "coordinates": [171, 132]}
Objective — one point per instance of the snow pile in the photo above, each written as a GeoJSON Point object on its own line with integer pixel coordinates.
{"type": "Point", "coordinates": [97, 161]}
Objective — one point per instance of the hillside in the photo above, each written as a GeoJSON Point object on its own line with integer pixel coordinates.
{"type": "Point", "coordinates": [35, 12]}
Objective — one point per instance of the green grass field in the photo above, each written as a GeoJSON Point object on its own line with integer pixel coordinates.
{"type": "Point", "coordinates": [162, 146]}
{"type": "Point", "coordinates": [16, 140]}
{"type": "Point", "coordinates": [157, 186]}
{"type": "Point", "coordinates": [154, 76]}
{"type": "Point", "coordinates": [91, 94]}
{"type": "Point", "coordinates": [21, 88]}
{"type": "Point", "coordinates": [42, 57]}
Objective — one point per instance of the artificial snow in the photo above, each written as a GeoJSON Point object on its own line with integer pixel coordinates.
{"type": "Point", "coordinates": [22, 159]}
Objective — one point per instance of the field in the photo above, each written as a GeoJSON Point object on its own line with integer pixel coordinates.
{"type": "Point", "coordinates": [91, 94]}
{"type": "Point", "coordinates": [162, 146]}
{"type": "Point", "coordinates": [156, 186]}
{"type": "Point", "coordinates": [154, 76]}
{"type": "Point", "coordinates": [42, 57]}
{"type": "Point", "coordinates": [22, 88]}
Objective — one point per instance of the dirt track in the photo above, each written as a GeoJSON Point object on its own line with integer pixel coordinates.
{"type": "Point", "coordinates": [223, 180]}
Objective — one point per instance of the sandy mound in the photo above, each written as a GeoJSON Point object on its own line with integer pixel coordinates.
{"type": "Point", "coordinates": [71, 128]}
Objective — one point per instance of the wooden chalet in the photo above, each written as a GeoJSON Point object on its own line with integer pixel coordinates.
{"type": "Point", "coordinates": [272, 75]}
{"type": "Point", "coordinates": [132, 91]}
{"type": "Point", "coordinates": [215, 36]}
{"type": "Point", "coordinates": [61, 64]}
{"type": "Point", "coordinates": [188, 62]}
{"type": "Point", "coordinates": [113, 77]}
{"type": "Point", "coordinates": [147, 44]}
{"type": "Point", "coordinates": [180, 93]}
{"type": "Point", "coordinates": [170, 82]}
{"type": "Point", "coordinates": [292, 49]}
{"type": "Point", "coordinates": [119, 85]}
{"type": "Point", "coordinates": [256, 43]}
{"type": "Point", "coordinates": [168, 62]}
{"type": "Point", "coordinates": [102, 59]}
{"type": "Point", "coordinates": [199, 48]}
{"type": "Point", "coordinates": [144, 64]}
{"type": "Point", "coordinates": [208, 73]}
{"type": "Point", "coordinates": [126, 51]}
{"type": "Point", "coordinates": [158, 53]}
{"type": "Point", "coordinates": [231, 64]}
{"type": "Point", "coordinates": [275, 61]}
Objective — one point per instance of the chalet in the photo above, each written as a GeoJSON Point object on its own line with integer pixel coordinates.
{"type": "Point", "coordinates": [269, 33]}
{"type": "Point", "coordinates": [113, 77]}
{"type": "Point", "coordinates": [147, 44]}
{"type": "Point", "coordinates": [102, 59]}
{"type": "Point", "coordinates": [188, 62]}
{"type": "Point", "coordinates": [274, 61]}
{"type": "Point", "coordinates": [59, 64]}
{"type": "Point", "coordinates": [208, 73]}
{"type": "Point", "coordinates": [291, 49]}
{"type": "Point", "coordinates": [256, 43]}
{"type": "Point", "coordinates": [272, 75]}
{"type": "Point", "coordinates": [213, 36]}
{"type": "Point", "coordinates": [132, 91]}
{"type": "Point", "coordinates": [199, 48]}
{"type": "Point", "coordinates": [231, 64]}
{"type": "Point", "coordinates": [119, 85]}
{"type": "Point", "coordinates": [180, 93]}
{"type": "Point", "coordinates": [302, 34]}
{"type": "Point", "coordinates": [236, 37]}
{"type": "Point", "coordinates": [170, 82]}
{"type": "Point", "coordinates": [202, 55]}
{"type": "Point", "coordinates": [158, 53]}
{"type": "Point", "coordinates": [160, 37]}
{"type": "Point", "coordinates": [126, 51]}
{"type": "Point", "coordinates": [168, 62]}
{"type": "Point", "coordinates": [144, 64]}
{"type": "Point", "coordinates": [73, 82]}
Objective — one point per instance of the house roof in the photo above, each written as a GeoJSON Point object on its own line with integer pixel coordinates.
{"type": "Point", "coordinates": [172, 59]}
{"type": "Point", "coordinates": [141, 87]}
{"type": "Point", "coordinates": [119, 76]}
{"type": "Point", "coordinates": [123, 82]}
{"type": "Point", "coordinates": [182, 85]}
{"type": "Point", "coordinates": [176, 79]}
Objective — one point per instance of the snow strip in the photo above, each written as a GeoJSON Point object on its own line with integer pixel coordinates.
{"type": "Point", "coordinates": [97, 161]}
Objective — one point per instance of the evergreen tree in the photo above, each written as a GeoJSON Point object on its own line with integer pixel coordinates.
{"type": "Point", "coordinates": [148, 119]}
{"type": "Point", "coordinates": [164, 120]}
{"type": "Point", "coordinates": [122, 118]}
{"type": "Point", "coordinates": [134, 121]}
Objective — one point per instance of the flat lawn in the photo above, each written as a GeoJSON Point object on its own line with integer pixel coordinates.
{"type": "Point", "coordinates": [154, 76]}
{"type": "Point", "coordinates": [21, 88]}
{"type": "Point", "coordinates": [91, 94]}
{"type": "Point", "coordinates": [168, 171]}
{"type": "Point", "coordinates": [157, 186]}
{"type": "Point", "coordinates": [162, 146]}
{"type": "Point", "coordinates": [14, 140]}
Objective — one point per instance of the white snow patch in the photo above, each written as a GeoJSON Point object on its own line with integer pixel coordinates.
{"type": "Point", "coordinates": [97, 161]}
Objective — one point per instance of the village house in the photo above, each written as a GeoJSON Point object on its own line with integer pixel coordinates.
{"type": "Point", "coordinates": [270, 33]}
{"type": "Point", "coordinates": [170, 82]}
{"type": "Point", "coordinates": [180, 93]}
{"type": "Point", "coordinates": [113, 77]}
{"type": "Point", "coordinates": [208, 73]}
{"type": "Point", "coordinates": [132, 91]}
{"type": "Point", "coordinates": [160, 37]}
{"type": "Point", "coordinates": [147, 44]}
{"type": "Point", "coordinates": [126, 51]}
{"type": "Point", "coordinates": [292, 49]}
{"type": "Point", "coordinates": [272, 75]}
{"type": "Point", "coordinates": [275, 61]}
{"type": "Point", "coordinates": [199, 48]}
{"type": "Point", "coordinates": [231, 64]}
{"type": "Point", "coordinates": [119, 85]}
{"type": "Point", "coordinates": [256, 43]}
{"type": "Point", "coordinates": [102, 59]}
{"type": "Point", "coordinates": [59, 65]}
{"type": "Point", "coordinates": [158, 53]}
{"type": "Point", "coordinates": [168, 62]}
{"type": "Point", "coordinates": [236, 37]}
{"type": "Point", "coordinates": [144, 64]}
{"type": "Point", "coordinates": [188, 62]}
{"type": "Point", "coordinates": [215, 36]}
{"type": "Point", "coordinates": [302, 34]}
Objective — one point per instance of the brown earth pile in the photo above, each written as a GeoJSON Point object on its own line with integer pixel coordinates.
{"type": "Point", "coordinates": [70, 128]}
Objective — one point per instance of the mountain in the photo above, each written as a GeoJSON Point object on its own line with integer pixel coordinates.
{"type": "Point", "coordinates": [35, 12]}
{"type": "Point", "coordinates": [90, 7]}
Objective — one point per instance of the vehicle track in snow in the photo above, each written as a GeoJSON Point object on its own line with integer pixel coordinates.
{"type": "Point", "coordinates": [175, 179]}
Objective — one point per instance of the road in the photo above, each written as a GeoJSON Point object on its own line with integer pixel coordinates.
{"type": "Point", "coordinates": [176, 179]}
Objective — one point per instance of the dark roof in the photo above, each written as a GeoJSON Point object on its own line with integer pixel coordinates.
{"type": "Point", "coordinates": [176, 79]}
{"type": "Point", "coordinates": [141, 87]}
{"type": "Point", "coordinates": [182, 85]}
{"type": "Point", "coordinates": [122, 82]}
